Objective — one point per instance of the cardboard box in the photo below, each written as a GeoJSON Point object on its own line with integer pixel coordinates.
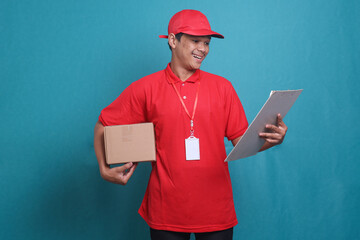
{"type": "Point", "coordinates": [129, 143]}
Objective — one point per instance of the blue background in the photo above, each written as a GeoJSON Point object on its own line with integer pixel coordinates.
{"type": "Point", "coordinates": [61, 62]}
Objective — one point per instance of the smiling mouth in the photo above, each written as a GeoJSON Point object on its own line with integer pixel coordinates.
{"type": "Point", "coordinates": [198, 57]}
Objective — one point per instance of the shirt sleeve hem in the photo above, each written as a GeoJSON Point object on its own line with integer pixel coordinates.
{"type": "Point", "coordinates": [239, 134]}
{"type": "Point", "coordinates": [102, 120]}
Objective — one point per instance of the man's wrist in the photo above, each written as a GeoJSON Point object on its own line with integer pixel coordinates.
{"type": "Point", "coordinates": [103, 168]}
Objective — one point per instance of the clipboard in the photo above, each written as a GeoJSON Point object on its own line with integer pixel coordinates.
{"type": "Point", "coordinates": [250, 143]}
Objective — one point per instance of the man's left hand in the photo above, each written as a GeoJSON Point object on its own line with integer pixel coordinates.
{"type": "Point", "coordinates": [276, 134]}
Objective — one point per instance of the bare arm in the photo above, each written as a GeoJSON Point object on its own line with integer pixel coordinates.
{"type": "Point", "coordinates": [235, 141]}
{"type": "Point", "coordinates": [118, 175]}
{"type": "Point", "coordinates": [274, 137]}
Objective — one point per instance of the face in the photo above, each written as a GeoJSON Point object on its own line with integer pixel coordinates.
{"type": "Point", "coordinates": [190, 51]}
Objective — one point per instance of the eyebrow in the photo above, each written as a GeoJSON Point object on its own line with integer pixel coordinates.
{"type": "Point", "coordinates": [197, 37]}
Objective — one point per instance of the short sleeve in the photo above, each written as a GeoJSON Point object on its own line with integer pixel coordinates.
{"type": "Point", "coordinates": [128, 108]}
{"type": "Point", "coordinates": [236, 124]}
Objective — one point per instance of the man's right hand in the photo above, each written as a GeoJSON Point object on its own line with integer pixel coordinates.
{"type": "Point", "coordinates": [118, 175]}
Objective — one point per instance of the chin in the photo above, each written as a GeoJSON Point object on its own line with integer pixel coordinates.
{"type": "Point", "coordinates": [196, 66]}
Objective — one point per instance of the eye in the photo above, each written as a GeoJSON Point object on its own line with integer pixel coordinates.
{"type": "Point", "coordinates": [195, 41]}
{"type": "Point", "coordinates": [207, 43]}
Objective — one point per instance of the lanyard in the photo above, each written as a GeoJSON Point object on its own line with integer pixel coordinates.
{"type": "Point", "coordinates": [183, 104]}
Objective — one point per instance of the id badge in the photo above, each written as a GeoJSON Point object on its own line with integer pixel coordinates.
{"type": "Point", "coordinates": [192, 147]}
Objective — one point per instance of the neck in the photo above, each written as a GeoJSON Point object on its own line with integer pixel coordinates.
{"type": "Point", "coordinates": [181, 72]}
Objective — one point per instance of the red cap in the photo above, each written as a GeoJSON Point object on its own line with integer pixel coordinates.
{"type": "Point", "coordinates": [190, 22]}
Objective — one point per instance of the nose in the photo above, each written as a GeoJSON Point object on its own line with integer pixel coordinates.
{"type": "Point", "coordinates": [202, 47]}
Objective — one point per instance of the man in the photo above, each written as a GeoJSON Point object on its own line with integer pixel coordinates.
{"type": "Point", "coordinates": [189, 189]}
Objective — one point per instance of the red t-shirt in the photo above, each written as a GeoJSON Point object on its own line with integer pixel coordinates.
{"type": "Point", "coordinates": [185, 196]}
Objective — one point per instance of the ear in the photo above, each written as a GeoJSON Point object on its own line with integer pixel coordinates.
{"type": "Point", "coordinates": [172, 40]}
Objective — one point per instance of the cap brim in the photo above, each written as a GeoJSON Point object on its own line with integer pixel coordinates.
{"type": "Point", "coordinates": [199, 33]}
{"type": "Point", "coordinates": [204, 32]}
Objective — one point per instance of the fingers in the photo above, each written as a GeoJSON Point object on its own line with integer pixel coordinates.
{"type": "Point", "coordinates": [271, 137]}
{"type": "Point", "coordinates": [281, 128]}
{"type": "Point", "coordinates": [131, 171]}
{"type": "Point", "coordinates": [277, 133]}
{"type": "Point", "coordinates": [274, 139]}
{"type": "Point", "coordinates": [124, 168]}
{"type": "Point", "coordinates": [280, 122]}
{"type": "Point", "coordinates": [128, 172]}
{"type": "Point", "coordinates": [135, 165]}
{"type": "Point", "coordinates": [122, 174]}
{"type": "Point", "coordinates": [273, 128]}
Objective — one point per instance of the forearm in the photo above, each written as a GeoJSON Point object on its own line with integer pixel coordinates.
{"type": "Point", "coordinates": [99, 146]}
{"type": "Point", "coordinates": [235, 141]}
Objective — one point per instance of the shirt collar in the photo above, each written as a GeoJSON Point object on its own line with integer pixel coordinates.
{"type": "Point", "coordinates": [193, 78]}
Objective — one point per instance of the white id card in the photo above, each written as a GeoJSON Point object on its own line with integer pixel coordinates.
{"type": "Point", "coordinates": [192, 148]}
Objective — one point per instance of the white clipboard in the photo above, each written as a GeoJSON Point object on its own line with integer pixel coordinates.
{"type": "Point", "coordinates": [250, 143]}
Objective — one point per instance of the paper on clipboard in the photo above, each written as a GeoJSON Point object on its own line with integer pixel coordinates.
{"type": "Point", "coordinates": [250, 143]}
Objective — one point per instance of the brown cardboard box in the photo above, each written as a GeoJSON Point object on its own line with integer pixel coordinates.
{"type": "Point", "coordinates": [129, 143]}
